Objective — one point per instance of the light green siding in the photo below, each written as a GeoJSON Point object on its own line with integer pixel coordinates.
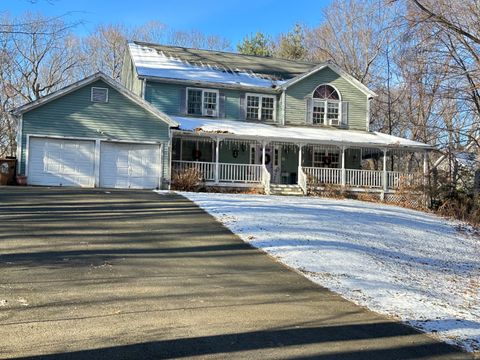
{"type": "Point", "coordinates": [129, 77]}
{"type": "Point", "coordinates": [296, 98]}
{"type": "Point", "coordinates": [74, 115]}
{"type": "Point", "coordinates": [168, 98]}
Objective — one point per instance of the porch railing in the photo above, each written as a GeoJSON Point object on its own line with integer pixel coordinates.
{"type": "Point", "coordinates": [206, 169]}
{"type": "Point", "coordinates": [246, 173]}
{"type": "Point", "coordinates": [364, 178]}
{"type": "Point", "coordinates": [396, 179]}
{"type": "Point", "coordinates": [324, 175]}
{"type": "Point", "coordinates": [233, 173]}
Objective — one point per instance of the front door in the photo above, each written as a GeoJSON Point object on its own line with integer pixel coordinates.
{"type": "Point", "coordinates": [272, 160]}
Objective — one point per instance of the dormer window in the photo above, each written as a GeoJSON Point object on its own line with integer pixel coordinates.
{"type": "Point", "coordinates": [325, 107]}
{"type": "Point", "coordinates": [202, 102]}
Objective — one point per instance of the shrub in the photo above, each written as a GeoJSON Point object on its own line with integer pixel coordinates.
{"type": "Point", "coordinates": [189, 179]}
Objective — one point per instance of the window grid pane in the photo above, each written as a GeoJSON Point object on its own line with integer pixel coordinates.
{"type": "Point", "coordinates": [328, 159]}
{"type": "Point", "coordinates": [253, 105]}
{"type": "Point", "coordinates": [210, 100]}
{"type": "Point", "coordinates": [333, 113]}
{"type": "Point", "coordinates": [267, 108]}
{"type": "Point", "coordinates": [194, 102]}
{"type": "Point", "coordinates": [318, 113]}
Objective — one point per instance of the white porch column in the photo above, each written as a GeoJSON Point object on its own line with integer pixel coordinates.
{"type": "Point", "coordinates": [385, 176]}
{"type": "Point", "coordinates": [300, 147]}
{"type": "Point", "coordinates": [217, 163]}
{"type": "Point", "coordinates": [264, 144]}
{"type": "Point", "coordinates": [344, 172]}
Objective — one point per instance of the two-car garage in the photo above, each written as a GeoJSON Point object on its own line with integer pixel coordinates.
{"type": "Point", "coordinates": [90, 163]}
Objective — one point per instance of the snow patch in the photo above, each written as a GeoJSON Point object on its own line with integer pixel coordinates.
{"type": "Point", "coordinates": [402, 263]}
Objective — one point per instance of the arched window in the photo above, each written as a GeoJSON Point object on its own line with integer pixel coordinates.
{"type": "Point", "coordinates": [326, 92]}
{"type": "Point", "coordinates": [325, 106]}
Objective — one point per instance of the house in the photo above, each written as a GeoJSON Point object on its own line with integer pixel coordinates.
{"type": "Point", "coordinates": [240, 120]}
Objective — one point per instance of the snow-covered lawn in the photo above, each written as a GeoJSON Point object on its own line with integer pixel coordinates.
{"type": "Point", "coordinates": [406, 264]}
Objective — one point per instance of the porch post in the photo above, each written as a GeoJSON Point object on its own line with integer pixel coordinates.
{"type": "Point", "coordinates": [217, 156]}
{"type": "Point", "coordinates": [300, 147]}
{"type": "Point", "coordinates": [344, 172]}
{"type": "Point", "coordinates": [385, 176]}
{"type": "Point", "coordinates": [425, 178]}
{"type": "Point", "coordinates": [263, 153]}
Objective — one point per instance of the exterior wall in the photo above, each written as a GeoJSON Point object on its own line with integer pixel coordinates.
{"type": "Point", "coordinates": [171, 99]}
{"type": "Point", "coordinates": [295, 111]}
{"type": "Point", "coordinates": [74, 115]}
{"type": "Point", "coordinates": [129, 77]}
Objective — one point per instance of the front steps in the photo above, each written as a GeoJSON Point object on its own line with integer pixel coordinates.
{"type": "Point", "coordinates": [287, 190]}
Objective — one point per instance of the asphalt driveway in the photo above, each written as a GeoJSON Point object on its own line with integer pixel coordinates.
{"type": "Point", "coordinates": [94, 274]}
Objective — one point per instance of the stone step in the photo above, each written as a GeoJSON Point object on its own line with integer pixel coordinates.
{"type": "Point", "coordinates": [286, 190]}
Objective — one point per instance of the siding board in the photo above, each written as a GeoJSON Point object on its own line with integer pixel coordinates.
{"type": "Point", "coordinates": [297, 93]}
{"type": "Point", "coordinates": [74, 115]}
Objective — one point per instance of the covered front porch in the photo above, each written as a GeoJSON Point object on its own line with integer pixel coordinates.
{"type": "Point", "coordinates": [226, 160]}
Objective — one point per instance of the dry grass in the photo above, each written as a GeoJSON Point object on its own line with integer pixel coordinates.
{"type": "Point", "coordinates": [189, 179]}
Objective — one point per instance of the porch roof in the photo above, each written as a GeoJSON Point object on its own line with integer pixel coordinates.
{"type": "Point", "coordinates": [295, 134]}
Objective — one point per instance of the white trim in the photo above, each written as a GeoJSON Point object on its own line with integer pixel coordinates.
{"type": "Point", "coordinates": [261, 96]}
{"type": "Point", "coordinates": [334, 88]}
{"type": "Point", "coordinates": [296, 141]}
{"type": "Point", "coordinates": [97, 163]}
{"type": "Point", "coordinates": [19, 143]}
{"type": "Point", "coordinates": [203, 90]}
{"type": "Point", "coordinates": [27, 149]}
{"type": "Point", "coordinates": [369, 100]}
{"type": "Point", "coordinates": [88, 80]}
{"type": "Point", "coordinates": [98, 88]}
{"type": "Point", "coordinates": [336, 69]}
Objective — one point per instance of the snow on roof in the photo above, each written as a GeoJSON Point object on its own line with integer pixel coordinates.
{"type": "Point", "coordinates": [151, 62]}
{"type": "Point", "coordinates": [295, 133]}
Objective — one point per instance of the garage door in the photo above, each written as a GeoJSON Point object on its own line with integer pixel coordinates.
{"type": "Point", "coordinates": [129, 166]}
{"type": "Point", "coordinates": [58, 162]}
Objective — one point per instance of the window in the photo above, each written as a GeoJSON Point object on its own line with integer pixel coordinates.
{"type": "Point", "coordinates": [260, 107]}
{"type": "Point", "coordinates": [325, 106]}
{"type": "Point", "coordinates": [202, 102]}
{"type": "Point", "coordinates": [326, 158]}
{"type": "Point", "coordinates": [99, 95]}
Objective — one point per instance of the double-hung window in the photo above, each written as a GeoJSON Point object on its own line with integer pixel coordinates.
{"type": "Point", "coordinates": [260, 107]}
{"type": "Point", "coordinates": [202, 102]}
{"type": "Point", "coordinates": [325, 106]}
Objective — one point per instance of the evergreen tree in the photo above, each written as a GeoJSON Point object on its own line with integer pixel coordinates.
{"type": "Point", "coordinates": [292, 45]}
{"type": "Point", "coordinates": [258, 44]}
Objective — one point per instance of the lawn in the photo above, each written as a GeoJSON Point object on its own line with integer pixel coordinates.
{"type": "Point", "coordinates": [406, 264]}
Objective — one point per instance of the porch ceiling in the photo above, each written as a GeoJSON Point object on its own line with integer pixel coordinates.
{"type": "Point", "coordinates": [293, 134]}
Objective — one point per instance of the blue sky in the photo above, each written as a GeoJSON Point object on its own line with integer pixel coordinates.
{"type": "Point", "coordinates": [232, 19]}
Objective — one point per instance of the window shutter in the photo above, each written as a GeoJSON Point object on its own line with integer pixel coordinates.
{"type": "Point", "coordinates": [308, 111]}
{"type": "Point", "coordinates": [242, 111]}
{"type": "Point", "coordinates": [221, 105]}
{"type": "Point", "coordinates": [344, 120]}
{"type": "Point", "coordinates": [183, 100]}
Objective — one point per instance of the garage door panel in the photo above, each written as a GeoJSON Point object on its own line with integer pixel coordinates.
{"type": "Point", "coordinates": [61, 162]}
{"type": "Point", "coordinates": [129, 166]}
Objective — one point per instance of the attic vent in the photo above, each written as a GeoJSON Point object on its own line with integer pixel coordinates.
{"type": "Point", "coordinates": [99, 95]}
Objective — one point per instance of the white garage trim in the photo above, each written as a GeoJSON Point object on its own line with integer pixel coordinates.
{"type": "Point", "coordinates": [151, 163]}
{"type": "Point", "coordinates": [60, 162]}
{"type": "Point", "coordinates": [97, 154]}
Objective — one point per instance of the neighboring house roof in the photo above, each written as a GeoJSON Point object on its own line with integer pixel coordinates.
{"type": "Point", "coordinates": [89, 80]}
{"type": "Point", "coordinates": [216, 67]}
{"type": "Point", "coordinates": [248, 130]}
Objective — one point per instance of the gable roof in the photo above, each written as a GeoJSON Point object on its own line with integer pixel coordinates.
{"type": "Point", "coordinates": [261, 65]}
{"type": "Point", "coordinates": [89, 80]}
{"type": "Point", "coordinates": [336, 69]}
{"type": "Point", "coordinates": [226, 68]}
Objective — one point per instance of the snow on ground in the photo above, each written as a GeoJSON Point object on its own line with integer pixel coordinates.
{"type": "Point", "coordinates": [406, 264]}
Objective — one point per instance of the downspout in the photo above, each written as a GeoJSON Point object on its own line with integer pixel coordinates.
{"type": "Point", "coordinates": [144, 86]}
{"type": "Point", "coordinates": [284, 107]}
